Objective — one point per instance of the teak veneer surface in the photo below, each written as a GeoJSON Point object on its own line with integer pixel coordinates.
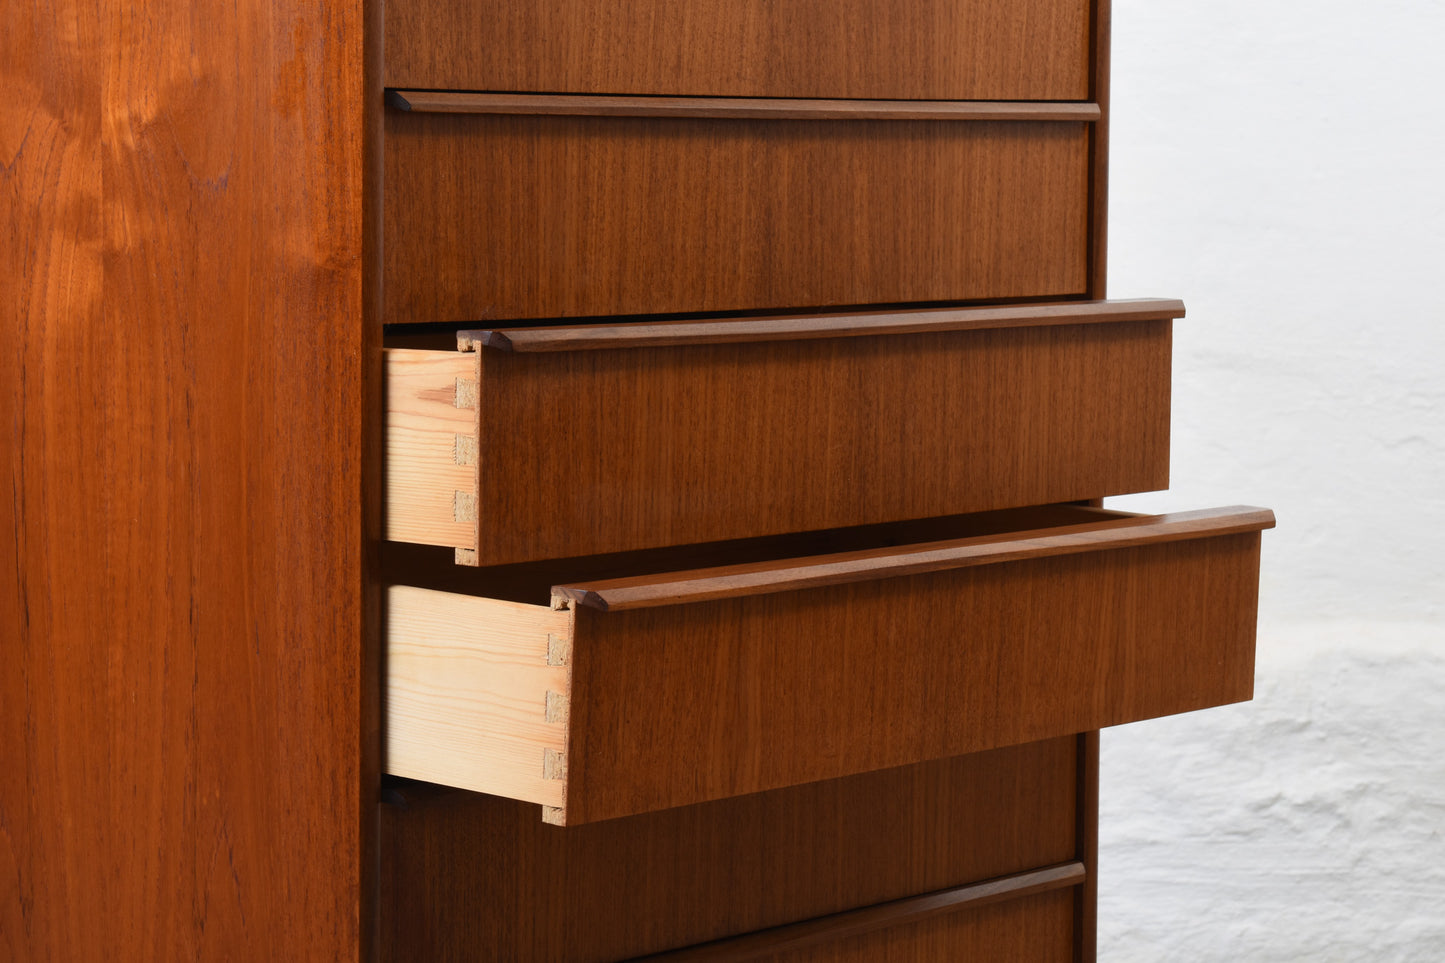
{"type": "Point", "coordinates": [593, 451]}
{"type": "Point", "coordinates": [1033, 929]}
{"type": "Point", "coordinates": [493, 217]}
{"type": "Point", "coordinates": [921, 50]}
{"type": "Point", "coordinates": [897, 916]}
{"type": "Point", "coordinates": [469, 877]}
{"type": "Point", "coordinates": [758, 692]}
{"type": "Point", "coordinates": [187, 696]}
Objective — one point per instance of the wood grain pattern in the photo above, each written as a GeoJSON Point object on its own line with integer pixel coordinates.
{"type": "Point", "coordinates": [923, 50]}
{"type": "Point", "coordinates": [761, 578]}
{"type": "Point", "coordinates": [589, 452]}
{"type": "Point", "coordinates": [801, 327]}
{"type": "Point", "coordinates": [683, 703]}
{"type": "Point", "coordinates": [492, 217]}
{"type": "Point", "coordinates": [849, 926]}
{"type": "Point", "coordinates": [750, 694]}
{"type": "Point", "coordinates": [499, 671]}
{"type": "Point", "coordinates": [734, 108]}
{"type": "Point", "coordinates": [468, 877]}
{"type": "Point", "coordinates": [431, 448]}
{"type": "Point", "coordinates": [1035, 929]}
{"type": "Point", "coordinates": [182, 703]}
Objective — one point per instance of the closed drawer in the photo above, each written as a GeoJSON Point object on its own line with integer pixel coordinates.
{"type": "Point", "coordinates": [1038, 927]}
{"type": "Point", "coordinates": [608, 697]}
{"type": "Point", "coordinates": [494, 216]}
{"type": "Point", "coordinates": [516, 889]}
{"type": "Point", "coordinates": [564, 441]}
{"type": "Point", "coordinates": [924, 49]}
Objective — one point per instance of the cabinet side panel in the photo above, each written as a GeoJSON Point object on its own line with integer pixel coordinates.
{"type": "Point", "coordinates": [52, 629]}
{"type": "Point", "coordinates": [181, 650]}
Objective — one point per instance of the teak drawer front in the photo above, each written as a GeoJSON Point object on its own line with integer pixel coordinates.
{"type": "Point", "coordinates": [493, 216]}
{"type": "Point", "coordinates": [586, 440]}
{"type": "Point", "coordinates": [1035, 928]}
{"type": "Point", "coordinates": [643, 693]}
{"type": "Point", "coordinates": [922, 50]}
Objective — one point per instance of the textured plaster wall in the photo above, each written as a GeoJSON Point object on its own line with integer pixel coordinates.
{"type": "Point", "coordinates": [1306, 825]}
{"type": "Point", "coordinates": [1281, 167]}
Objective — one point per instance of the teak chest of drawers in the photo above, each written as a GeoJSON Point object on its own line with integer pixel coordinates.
{"type": "Point", "coordinates": [750, 391]}
{"type": "Point", "coordinates": [576, 481]}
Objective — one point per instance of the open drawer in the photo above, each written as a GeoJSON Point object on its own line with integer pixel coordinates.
{"type": "Point", "coordinates": [612, 696]}
{"type": "Point", "coordinates": [554, 442]}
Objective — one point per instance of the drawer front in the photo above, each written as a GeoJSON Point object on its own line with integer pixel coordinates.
{"type": "Point", "coordinates": [501, 217]}
{"type": "Point", "coordinates": [473, 877]}
{"type": "Point", "coordinates": [1031, 929]}
{"type": "Point", "coordinates": [643, 693]}
{"type": "Point", "coordinates": [607, 446]}
{"type": "Point", "coordinates": [924, 49]}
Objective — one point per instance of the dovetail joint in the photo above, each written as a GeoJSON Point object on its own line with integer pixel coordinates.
{"type": "Point", "coordinates": [554, 815]}
{"type": "Point", "coordinates": [559, 649]}
{"type": "Point", "coordinates": [465, 556]}
{"type": "Point", "coordinates": [559, 707]}
{"type": "Point", "coordinates": [465, 450]}
{"type": "Point", "coordinates": [554, 764]}
{"type": "Point", "coordinates": [468, 394]}
{"type": "Point", "coordinates": [464, 506]}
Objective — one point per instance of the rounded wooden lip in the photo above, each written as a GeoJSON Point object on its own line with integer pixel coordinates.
{"type": "Point", "coordinates": [801, 327]}
{"type": "Point", "coordinates": [737, 108]}
{"type": "Point", "coordinates": [764, 578]}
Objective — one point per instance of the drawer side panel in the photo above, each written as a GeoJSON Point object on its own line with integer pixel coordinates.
{"type": "Point", "coordinates": [476, 693]}
{"type": "Point", "coordinates": [431, 447]}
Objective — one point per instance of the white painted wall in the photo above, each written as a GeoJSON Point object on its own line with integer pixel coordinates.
{"type": "Point", "coordinates": [1281, 167]}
